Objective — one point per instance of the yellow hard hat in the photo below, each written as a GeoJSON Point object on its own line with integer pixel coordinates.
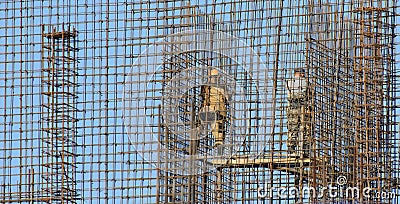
{"type": "Point", "coordinates": [214, 72]}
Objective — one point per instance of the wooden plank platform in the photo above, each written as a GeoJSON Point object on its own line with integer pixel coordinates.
{"type": "Point", "coordinates": [282, 163]}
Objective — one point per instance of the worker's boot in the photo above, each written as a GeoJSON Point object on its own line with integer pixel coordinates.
{"type": "Point", "coordinates": [306, 148]}
{"type": "Point", "coordinates": [292, 152]}
{"type": "Point", "coordinates": [306, 151]}
{"type": "Point", "coordinates": [291, 149]}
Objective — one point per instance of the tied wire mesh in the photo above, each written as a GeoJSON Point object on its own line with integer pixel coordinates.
{"type": "Point", "coordinates": [101, 100]}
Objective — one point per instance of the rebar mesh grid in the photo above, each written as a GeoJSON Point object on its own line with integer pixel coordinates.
{"type": "Point", "coordinates": [101, 101]}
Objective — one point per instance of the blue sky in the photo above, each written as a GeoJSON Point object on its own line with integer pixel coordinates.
{"type": "Point", "coordinates": [21, 30]}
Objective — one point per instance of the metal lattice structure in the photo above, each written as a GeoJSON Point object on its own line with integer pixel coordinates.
{"type": "Point", "coordinates": [183, 101]}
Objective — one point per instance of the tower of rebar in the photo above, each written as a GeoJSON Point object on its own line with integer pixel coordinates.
{"type": "Point", "coordinates": [372, 69]}
{"type": "Point", "coordinates": [59, 117]}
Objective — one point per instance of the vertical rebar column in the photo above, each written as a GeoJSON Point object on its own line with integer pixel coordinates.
{"type": "Point", "coordinates": [369, 69]}
{"type": "Point", "coordinates": [59, 116]}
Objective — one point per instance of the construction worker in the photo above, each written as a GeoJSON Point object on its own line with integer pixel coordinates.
{"type": "Point", "coordinates": [213, 110]}
{"type": "Point", "coordinates": [297, 114]}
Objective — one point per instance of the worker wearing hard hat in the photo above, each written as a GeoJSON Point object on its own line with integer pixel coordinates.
{"type": "Point", "coordinates": [297, 113]}
{"type": "Point", "coordinates": [214, 106]}
{"type": "Point", "coordinates": [297, 86]}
